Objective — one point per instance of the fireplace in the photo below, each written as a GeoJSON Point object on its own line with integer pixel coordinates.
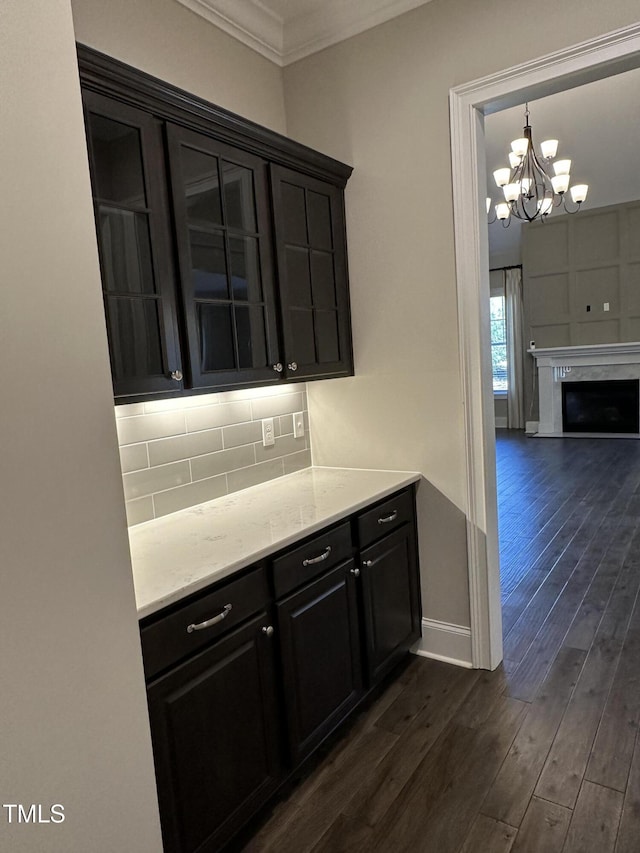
{"type": "Point", "coordinates": [603, 406]}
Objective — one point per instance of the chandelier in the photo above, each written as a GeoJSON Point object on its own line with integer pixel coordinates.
{"type": "Point", "coordinates": [530, 190]}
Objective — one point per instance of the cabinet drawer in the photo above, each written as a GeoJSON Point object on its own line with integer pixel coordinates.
{"type": "Point", "coordinates": [385, 517]}
{"type": "Point", "coordinates": [175, 636]}
{"type": "Point", "coordinates": [314, 557]}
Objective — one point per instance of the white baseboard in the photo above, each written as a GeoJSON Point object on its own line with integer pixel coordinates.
{"type": "Point", "coordinates": [501, 423]}
{"type": "Point", "coordinates": [446, 642]}
{"type": "Point", "coordinates": [531, 427]}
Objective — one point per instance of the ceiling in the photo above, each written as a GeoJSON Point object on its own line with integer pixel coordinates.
{"type": "Point", "coordinates": [598, 127]}
{"type": "Point", "coordinates": [287, 30]}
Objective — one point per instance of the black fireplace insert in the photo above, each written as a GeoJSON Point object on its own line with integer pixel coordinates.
{"type": "Point", "coordinates": [611, 405]}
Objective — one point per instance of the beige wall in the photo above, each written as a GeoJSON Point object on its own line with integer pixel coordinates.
{"type": "Point", "coordinates": [74, 726]}
{"type": "Point", "coordinates": [380, 102]}
{"type": "Point", "coordinates": [73, 718]}
{"type": "Point", "coordinates": [572, 262]}
{"type": "Point", "coordinates": [165, 39]}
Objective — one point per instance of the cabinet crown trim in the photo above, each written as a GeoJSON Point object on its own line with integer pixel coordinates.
{"type": "Point", "coordinates": [109, 76]}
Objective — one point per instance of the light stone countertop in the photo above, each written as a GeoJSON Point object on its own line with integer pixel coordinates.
{"type": "Point", "coordinates": [186, 551]}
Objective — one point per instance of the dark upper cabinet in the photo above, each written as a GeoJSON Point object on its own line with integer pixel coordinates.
{"type": "Point", "coordinates": [222, 244]}
{"type": "Point", "coordinates": [220, 203]}
{"type": "Point", "coordinates": [134, 243]}
{"type": "Point", "coordinates": [312, 273]}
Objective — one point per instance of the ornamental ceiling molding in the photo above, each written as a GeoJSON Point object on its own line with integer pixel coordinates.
{"type": "Point", "coordinates": [285, 39]}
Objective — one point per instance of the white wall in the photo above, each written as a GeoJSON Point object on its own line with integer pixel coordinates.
{"type": "Point", "coordinates": [73, 720]}
{"type": "Point", "coordinates": [380, 102]}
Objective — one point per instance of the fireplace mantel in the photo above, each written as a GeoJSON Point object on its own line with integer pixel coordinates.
{"type": "Point", "coordinates": [578, 363]}
{"type": "Point", "coordinates": [592, 354]}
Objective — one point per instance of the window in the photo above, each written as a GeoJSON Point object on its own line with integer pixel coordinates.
{"type": "Point", "coordinates": [498, 344]}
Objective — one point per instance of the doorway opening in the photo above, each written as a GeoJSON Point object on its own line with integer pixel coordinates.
{"type": "Point", "coordinates": [596, 59]}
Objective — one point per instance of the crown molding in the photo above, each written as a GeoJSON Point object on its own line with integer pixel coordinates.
{"type": "Point", "coordinates": [286, 40]}
{"type": "Point", "coordinates": [250, 22]}
{"type": "Point", "coordinates": [334, 21]}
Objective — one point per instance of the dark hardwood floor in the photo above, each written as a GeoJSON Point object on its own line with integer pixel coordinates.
{"type": "Point", "coordinates": [542, 755]}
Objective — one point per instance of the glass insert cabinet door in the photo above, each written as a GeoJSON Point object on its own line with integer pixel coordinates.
{"type": "Point", "coordinates": [312, 271]}
{"type": "Point", "coordinates": [132, 223]}
{"type": "Point", "coordinates": [220, 202]}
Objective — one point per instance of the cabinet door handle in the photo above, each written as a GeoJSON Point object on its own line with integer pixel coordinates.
{"type": "Point", "coordinates": [367, 563]}
{"type": "Point", "coordinates": [385, 519]}
{"type": "Point", "coordinates": [311, 561]}
{"type": "Point", "coordinates": [278, 367]}
{"type": "Point", "coordinates": [177, 375]}
{"type": "Point", "coordinates": [268, 630]}
{"type": "Point", "coordinates": [355, 572]}
{"type": "Point", "coordinates": [293, 366]}
{"type": "Point", "coordinates": [209, 622]}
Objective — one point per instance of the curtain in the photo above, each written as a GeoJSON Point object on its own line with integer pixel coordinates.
{"type": "Point", "coordinates": [515, 340]}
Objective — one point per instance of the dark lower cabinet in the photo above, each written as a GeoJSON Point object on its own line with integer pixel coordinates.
{"type": "Point", "coordinates": [320, 649]}
{"type": "Point", "coordinates": [248, 677]}
{"type": "Point", "coordinates": [391, 601]}
{"type": "Point", "coordinates": [214, 726]}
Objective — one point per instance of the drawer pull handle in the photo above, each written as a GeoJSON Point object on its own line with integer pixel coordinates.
{"type": "Point", "coordinates": [386, 519]}
{"type": "Point", "coordinates": [355, 572]}
{"type": "Point", "coordinates": [226, 610]}
{"type": "Point", "coordinates": [268, 630]}
{"type": "Point", "coordinates": [311, 561]}
{"type": "Point", "coordinates": [367, 563]}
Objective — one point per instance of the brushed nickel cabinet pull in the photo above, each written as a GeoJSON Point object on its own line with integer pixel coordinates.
{"type": "Point", "coordinates": [388, 518]}
{"type": "Point", "coordinates": [293, 366]}
{"type": "Point", "coordinates": [355, 572]}
{"type": "Point", "coordinates": [177, 375]}
{"type": "Point", "coordinates": [310, 561]}
{"type": "Point", "coordinates": [268, 630]}
{"type": "Point", "coordinates": [278, 367]}
{"type": "Point", "coordinates": [367, 563]}
{"type": "Point", "coordinates": [209, 622]}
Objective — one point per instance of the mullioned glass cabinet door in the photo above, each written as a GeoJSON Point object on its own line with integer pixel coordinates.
{"type": "Point", "coordinates": [220, 203]}
{"type": "Point", "coordinates": [134, 240]}
{"type": "Point", "coordinates": [312, 274]}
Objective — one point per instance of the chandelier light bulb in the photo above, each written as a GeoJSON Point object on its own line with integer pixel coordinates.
{"type": "Point", "coordinates": [549, 148]}
{"type": "Point", "coordinates": [545, 206]}
{"type": "Point", "coordinates": [579, 193]}
{"type": "Point", "coordinates": [488, 204]}
{"type": "Point", "coordinates": [562, 167]}
{"type": "Point", "coordinates": [560, 183]}
{"type": "Point", "coordinates": [502, 176]}
{"type": "Point", "coordinates": [514, 160]}
{"type": "Point", "coordinates": [519, 146]}
{"type": "Point", "coordinates": [511, 191]}
{"type": "Point", "coordinates": [525, 183]}
{"type": "Point", "coordinates": [502, 210]}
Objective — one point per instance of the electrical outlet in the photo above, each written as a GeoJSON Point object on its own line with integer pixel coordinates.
{"type": "Point", "coordinates": [298, 425]}
{"type": "Point", "coordinates": [268, 437]}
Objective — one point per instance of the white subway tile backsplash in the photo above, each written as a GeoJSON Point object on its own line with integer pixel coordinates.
{"type": "Point", "coordinates": [157, 479]}
{"type": "Point", "coordinates": [283, 446]}
{"type": "Point", "coordinates": [184, 446]}
{"type": "Point", "coordinates": [268, 407]}
{"type": "Point", "coordinates": [245, 477]}
{"type": "Point", "coordinates": [148, 427]}
{"type": "Point", "coordinates": [176, 453]}
{"type": "Point", "coordinates": [238, 434]}
{"type": "Point", "coordinates": [139, 510]}
{"type": "Point", "coordinates": [208, 417]}
{"type": "Point", "coordinates": [174, 500]}
{"type": "Point", "coordinates": [133, 457]}
{"type": "Point", "coordinates": [222, 462]}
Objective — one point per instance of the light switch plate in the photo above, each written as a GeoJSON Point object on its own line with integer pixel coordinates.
{"type": "Point", "coordinates": [298, 425]}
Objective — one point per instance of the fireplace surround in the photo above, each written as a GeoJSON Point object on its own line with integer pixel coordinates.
{"type": "Point", "coordinates": [581, 364]}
